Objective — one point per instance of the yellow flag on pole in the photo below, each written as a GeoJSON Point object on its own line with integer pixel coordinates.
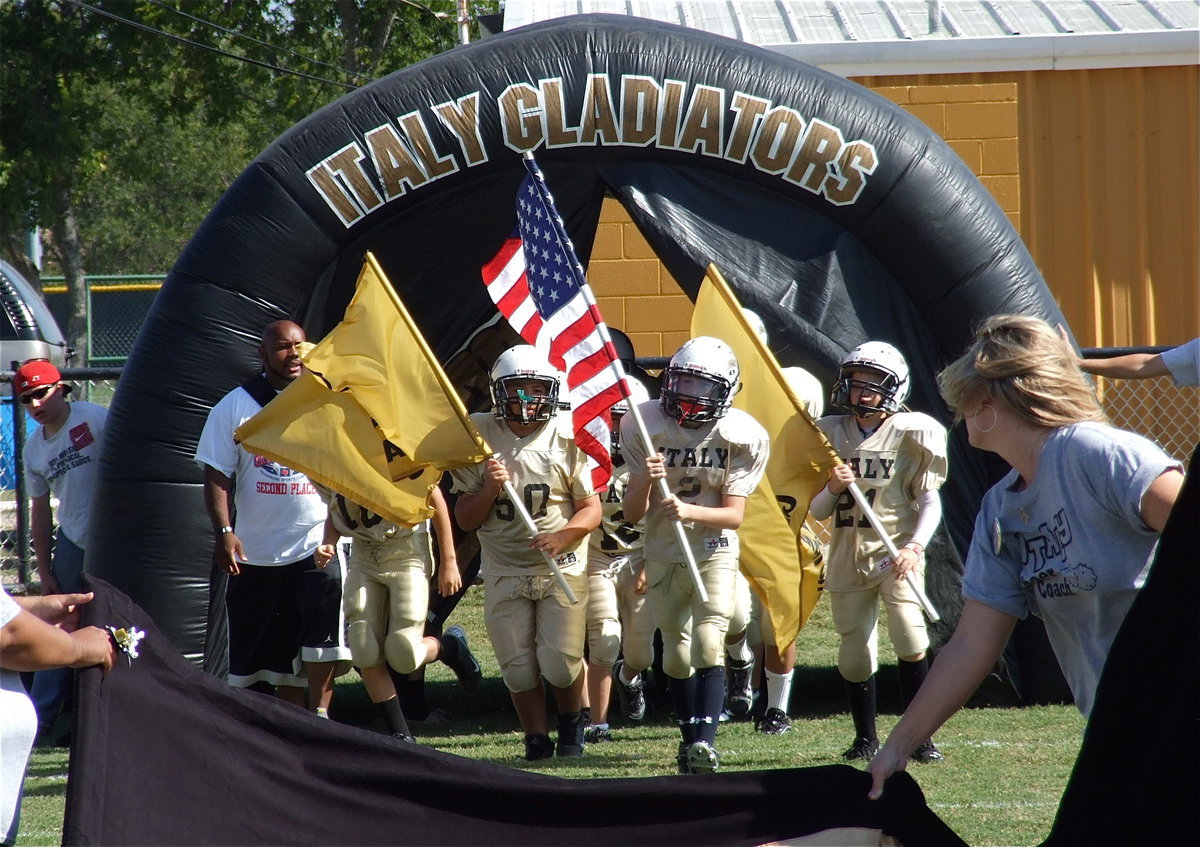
{"type": "Point", "coordinates": [781, 569]}
{"type": "Point", "coordinates": [378, 356]}
{"type": "Point", "coordinates": [379, 421]}
{"type": "Point", "coordinates": [329, 437]}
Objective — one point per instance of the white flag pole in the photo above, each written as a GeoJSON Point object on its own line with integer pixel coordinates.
{"type": "Point", "coordinates": [893, 551]}
{"type": "Point", "coordinates": [615, 366]}
{"type": "Point", "coordinates": [527, 519]}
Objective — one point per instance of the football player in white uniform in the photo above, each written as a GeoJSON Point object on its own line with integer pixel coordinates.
{"type": "Point", "coordinates": [386, 599]}
{"type": "Point", "coordinates": [899, 462]}
{"type": "Point", "coordinates": [712, 456]}
{"type": "Point", "coordinates": [535, 631]}
{"type": "Point", "coordinates": [619, 619]}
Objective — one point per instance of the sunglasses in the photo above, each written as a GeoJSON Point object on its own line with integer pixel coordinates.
{"type": "Point", "coordinates": [38, 394]}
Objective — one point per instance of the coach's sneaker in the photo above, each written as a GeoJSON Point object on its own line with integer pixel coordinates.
{"type": "Point", "coordinates": [702, 758]}
{"type": "Point", "coordinates": [570, 735]}
{"type": "Point", "coordinates": [739, 696]}
{"type": "Point", "coordinates": [631, 694]}
{"type": "Point", "coordinates": [862, 749]}
{"type": "Point", "coordinates": [774, 722]}
{"type": "Point", "coordinates": [457, 656]}
{"type": "Point", "coordinates": [927, 753]}
{"type": "Point", "coordinates": [538, 746]}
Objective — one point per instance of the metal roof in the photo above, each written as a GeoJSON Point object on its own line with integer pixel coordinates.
{"type": "Point", "coordinates": [875, 37]}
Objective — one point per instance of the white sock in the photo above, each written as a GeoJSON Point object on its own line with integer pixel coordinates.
{"type": "Point", "coordinates": [779, 690]}
{"type": "Point", "coordinates": [740, 651]}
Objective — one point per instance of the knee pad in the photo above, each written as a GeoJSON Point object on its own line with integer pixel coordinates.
{"type": "Point", "coordinates": [857, 658]}
{"type": "Point", "coordinates": [677, 657]}
{"type": "Point", "coordinates": [365, 644]}
{"type": "Point", "coordinates": [559, 669]}
{"type": "Point", "coordinates": [708, 643]}
{"type": "Point", "coordinates": [405, 650]}
{"type": "Point", "coordinates": [604, 642]}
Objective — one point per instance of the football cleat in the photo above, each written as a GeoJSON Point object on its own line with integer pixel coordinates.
{"type": "Point", "coordinates": [739, 697]}
{"type": "Point", "coordinates": [631, 695]}
{"type": "Point", "coordinates": [681, 758]}
{"type": "Point", "coordinates": [597, 735]}
{"type": "Point", "coordinates": [702, 758]}
{"type": "Point", "coordinates": [407, 737]}
{"type": "Point", "coordinates": [570, 735]}
{"type": "Point", "coordinates": [927, 753]}
{"type": "Point", "coordinates": [538, 746]}
{"type": "Point", "coordinates": [863, 749]}
{"type": "Point", "coordinates": [456, 655]}
{"type": "Point", "coordinates": [774, 722]}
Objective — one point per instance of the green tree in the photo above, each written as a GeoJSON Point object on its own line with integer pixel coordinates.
{"type": "Point", "coordinates": [122, 121]}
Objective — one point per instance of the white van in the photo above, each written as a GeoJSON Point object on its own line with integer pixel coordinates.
{"type": "Point", "coordinates": [27, 327]}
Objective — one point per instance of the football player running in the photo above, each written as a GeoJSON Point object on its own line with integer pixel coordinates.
{"type": "Point", "coordinates": [899, 461]}
{"type": "Point", "coordinates": [711, 456]}
{"type": "Point", "coordinates": [535, 630]}
{"type": "Point", "coordinates": [619, 619]}
{"type": "Point", "coordinates": [386, 599]}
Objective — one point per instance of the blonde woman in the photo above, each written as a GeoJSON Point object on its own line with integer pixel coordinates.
{"type": "Point", "coordinates": [1068, 534]}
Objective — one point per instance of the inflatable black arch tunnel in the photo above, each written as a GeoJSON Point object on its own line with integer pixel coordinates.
{"type": "Point", "coordinates": [831, 212]}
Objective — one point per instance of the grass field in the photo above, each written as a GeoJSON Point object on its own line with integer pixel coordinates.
{"type": "Point", "coordinates": [1000, 784]}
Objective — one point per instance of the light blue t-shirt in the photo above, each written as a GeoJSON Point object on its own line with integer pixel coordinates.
{"type": "Point", "coordinates": [1071, 548]}
{"type": "Point", "coordinates": [1184, 363]}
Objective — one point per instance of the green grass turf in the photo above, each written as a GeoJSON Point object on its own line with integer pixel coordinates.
{"type": "Point", "coordinates": [1000, 784]}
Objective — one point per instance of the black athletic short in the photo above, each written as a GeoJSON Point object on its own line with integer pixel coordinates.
{"type": "Point", "coordinates": [274, 612]}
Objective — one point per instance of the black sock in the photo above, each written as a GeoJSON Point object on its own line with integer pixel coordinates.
{"type": "Point", "coordinates": [910, 676]}
{"type": "Point", "coordinates": [683, 699]}
{"type": "Point", "coordinates": [862, 706]}
{"type": "Point", "coordinates": [393, 716]}
{"type": "Point", "coordinates": [570, 728]}
{"type": "Point", "coordinates": [710, 699]}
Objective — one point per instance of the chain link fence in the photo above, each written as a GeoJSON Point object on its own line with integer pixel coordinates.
{"type": "Point", "coordinates": [116, 308]}
{"type": "Point", "coordinates": [1155, 408]}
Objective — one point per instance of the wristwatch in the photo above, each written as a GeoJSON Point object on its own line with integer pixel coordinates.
{"type": "Point", "coordinates": [226, 529]}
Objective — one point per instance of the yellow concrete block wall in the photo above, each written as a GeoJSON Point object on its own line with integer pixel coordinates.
{"type": "Point", "coordinates": [635, 292]}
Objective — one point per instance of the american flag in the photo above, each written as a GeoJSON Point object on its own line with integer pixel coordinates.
{"type": "Point", "coordinates": [539, 286]}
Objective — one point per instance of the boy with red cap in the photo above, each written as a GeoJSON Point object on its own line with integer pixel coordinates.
{"type": "Point", "coordinates": [62, 457]}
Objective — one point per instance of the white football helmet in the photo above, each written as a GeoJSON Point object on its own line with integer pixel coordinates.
{"type": "Point", "coordinates": [807, 389]}
{"type": "Point", "coordinates": [892, 384]}
{"type": "Point", "coordinates": [637, 395]}
{"type": "Point", "coordinates": [756, 324]}
{"type": "Point", "coordinates": [700, 380]}
{"type": "Point", "coordinates": [510, 401]}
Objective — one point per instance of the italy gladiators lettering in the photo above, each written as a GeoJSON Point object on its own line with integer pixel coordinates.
{"type": "Point", "coordinates": [632, 110]}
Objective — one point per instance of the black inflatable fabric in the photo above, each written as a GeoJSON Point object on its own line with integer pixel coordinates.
{"type": "Point", "coordinates": [831, 212]}
{"type": "Point", "coordinates": [166, 754]}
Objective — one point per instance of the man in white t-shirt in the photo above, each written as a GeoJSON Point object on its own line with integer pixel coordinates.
{"type": "Point", "coordinates": [62, 458]}
{"type": "Point", "coordinates": [285, 626]}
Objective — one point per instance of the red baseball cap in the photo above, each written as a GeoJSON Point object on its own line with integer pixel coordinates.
{"type": "Point", "coordinates": [36, 374]}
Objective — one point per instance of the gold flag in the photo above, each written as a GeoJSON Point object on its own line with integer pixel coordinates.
{"type": "Point", "coordinates": [378, 356]}
{"type": "Point", "coordinates": [781, 570]}
{"type": "Point", "coordinates": [329, 437]}
{"type": "Point", "coordinates": [373, 417]}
